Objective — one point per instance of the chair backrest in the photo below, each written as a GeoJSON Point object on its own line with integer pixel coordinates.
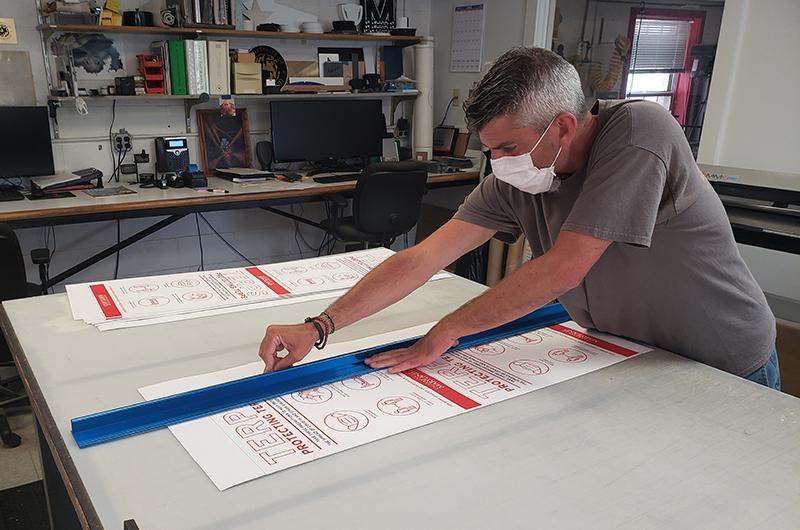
{"type": "Point", "coordinates": [264, 155]}
{"type": "Point", "coordinates": [12, 266]}
{"type": "Point", "coordinates": [14, 282]}
{"type": "Point", "coordinates": [388, 197]}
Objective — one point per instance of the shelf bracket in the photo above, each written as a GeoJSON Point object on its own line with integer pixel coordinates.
{"type": "Point", "coordinates": [52, 109]}
{"type": "Point", "coordinates": [187, 109]}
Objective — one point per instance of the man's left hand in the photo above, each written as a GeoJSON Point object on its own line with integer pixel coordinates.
{"type": "Point", "coordinates": [424, 351]}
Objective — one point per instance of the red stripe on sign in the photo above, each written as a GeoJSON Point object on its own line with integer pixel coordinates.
{"type": "Point", "coordinates": [600, 343]}
{"type": "Point", "coordinates": [266, 280]}
{"type": "Point", "coordinates": [104, 300]}
{"type": "Point", "coordinates": [442, 389]}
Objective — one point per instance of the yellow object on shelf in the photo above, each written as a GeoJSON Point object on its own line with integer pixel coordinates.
{"type": "Point", "coordinates": [109, 18]}
{"type": "Point", "coordinates": [113, 5]}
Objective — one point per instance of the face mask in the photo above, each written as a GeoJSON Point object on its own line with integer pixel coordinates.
{"type": "Point", "coordinates": [520, 172]}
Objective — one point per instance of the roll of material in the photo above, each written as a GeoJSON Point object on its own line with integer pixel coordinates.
{"type": "Point", "coordinates": [422, 131]}
{"type": "Point", "coordinates": [514, 256]}
{"type": "Point", "coordinates": [494, 268]}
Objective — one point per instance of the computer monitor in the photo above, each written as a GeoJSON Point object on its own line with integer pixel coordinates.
{"type": "Point", "coordinates": [25, 147]}
{"type": "Point", "coordinates": [326, 130]}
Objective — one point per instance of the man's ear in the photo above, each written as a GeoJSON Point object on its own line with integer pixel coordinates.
{"type": "Point", "coordinates": [567, 125]}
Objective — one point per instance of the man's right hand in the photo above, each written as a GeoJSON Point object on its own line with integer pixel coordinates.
{"type": "Point", "coordinates": [296, 339]}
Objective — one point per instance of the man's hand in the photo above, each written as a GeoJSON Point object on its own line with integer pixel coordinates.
{"type": "Point", "coordinates": [424, 351]}
{"type": "Point", "coordinates": [296, 339]}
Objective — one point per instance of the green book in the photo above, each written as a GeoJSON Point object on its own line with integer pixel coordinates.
{"type": "Point", "coordinates": [177, 67]}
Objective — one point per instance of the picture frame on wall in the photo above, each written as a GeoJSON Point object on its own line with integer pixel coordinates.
{"type": "Point", "coordinates": [224, 140]}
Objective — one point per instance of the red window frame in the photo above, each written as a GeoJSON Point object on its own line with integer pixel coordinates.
{"type": "Point", "coordinates": [683, 81]}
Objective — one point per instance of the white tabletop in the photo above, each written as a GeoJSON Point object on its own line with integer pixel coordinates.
{"type": "Point", "coordinates": [657, 441]}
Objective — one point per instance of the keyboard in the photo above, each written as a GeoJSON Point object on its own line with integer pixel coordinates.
{"type": "Point", "coordinates": [340, 177]}
{"type": "Point", "coordinates": [10, 195]}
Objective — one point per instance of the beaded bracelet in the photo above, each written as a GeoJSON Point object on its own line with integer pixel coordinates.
{"type": "Point", "coordinates": [321, 332]}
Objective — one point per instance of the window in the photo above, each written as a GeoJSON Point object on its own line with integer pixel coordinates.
{"type": "Point", "coordinates": [658, 69]}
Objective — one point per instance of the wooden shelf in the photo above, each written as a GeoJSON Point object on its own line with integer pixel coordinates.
{"type": "Point", "coordinates": [157, 30]}
{"type": "Point", "coordinates": [297, 95]}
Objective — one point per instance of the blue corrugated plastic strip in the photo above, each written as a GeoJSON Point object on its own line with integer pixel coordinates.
{"type": "Point", "coordinates": [157, 413]}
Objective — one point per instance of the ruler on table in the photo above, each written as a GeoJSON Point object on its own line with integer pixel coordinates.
{"type": "Point", "coordinates": [155, 414]}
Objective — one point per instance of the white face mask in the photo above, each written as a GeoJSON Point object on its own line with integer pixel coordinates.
{"type": "Point", "coordinates": [520, 172]}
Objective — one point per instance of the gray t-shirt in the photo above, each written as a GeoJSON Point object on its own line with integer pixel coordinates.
{"type": "Point", "coordinates": [673, 276]}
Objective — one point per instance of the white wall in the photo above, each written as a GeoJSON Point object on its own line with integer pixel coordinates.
{"type": "Point", "coordinates": [504, 29]}
{"type": "Point", "coordinates": [261, 236]}
{"type": "Point", "coordinates": [754, 110]}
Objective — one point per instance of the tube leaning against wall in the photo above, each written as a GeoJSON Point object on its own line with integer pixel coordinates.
{"type": "Point", "coordinates": [422, 129]}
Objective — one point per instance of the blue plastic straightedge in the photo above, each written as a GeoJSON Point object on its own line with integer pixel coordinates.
{"type": "Point", "coordinates": [150, 415]}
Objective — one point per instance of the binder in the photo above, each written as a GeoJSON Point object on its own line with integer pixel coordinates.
{"type": "Point", "coordinates": [197, 66]}
{"type": "Point", "coordinates": [219, 76]}
{"type": "Point", "coordinates": [161, 48]}
{"type": "Point", "coordinates": [201, 66]}
{"type": "Point", "coordinates": [177, 67]}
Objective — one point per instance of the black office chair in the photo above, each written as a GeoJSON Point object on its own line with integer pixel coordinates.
{"type": "Point", "coordinates": [386, 204]}
{"type": "Point", "coordinates": [14, 285]}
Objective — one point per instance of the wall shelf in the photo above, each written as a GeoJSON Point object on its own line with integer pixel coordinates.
{"type": "Point", "coordinates": [198, 99]}
{"type": "Point", "coordinates": [234, 33]}
{"type": "Point", "coordinates": [297, 95]}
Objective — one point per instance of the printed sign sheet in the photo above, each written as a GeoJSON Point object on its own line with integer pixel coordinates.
{"type": "Point", "coordinates": [269, 436]}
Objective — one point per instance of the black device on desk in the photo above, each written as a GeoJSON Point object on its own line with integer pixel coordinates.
{"type": "Point", "coordinates": [172, 154]}
{"type": "Point", "coordinates": [327, 132]}
{"type": "Point", "coordinates": [25, 148]}
{"type": "Point", "coordinates": [340, 177]}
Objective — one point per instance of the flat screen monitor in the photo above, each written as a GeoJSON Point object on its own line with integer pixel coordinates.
{"type": "Point", "coordinates": [25, 146]}
{"type": "Point", "coordinates": [325, 130]}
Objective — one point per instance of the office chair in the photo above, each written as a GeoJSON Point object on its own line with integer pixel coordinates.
{"type": "Point", "coordinates": [386, 203]}
{"type": "Point", "coordinates": [264, 155]}
{"type": "Point", "coordinates": [14, 285]}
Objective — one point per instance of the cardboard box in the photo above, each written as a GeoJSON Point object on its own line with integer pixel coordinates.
{"type": "Point", "coordinates": [303, 68]}
{"type": "Point", "coordinates": [244, 57]}
{"type": "Point", "coordinates": [246, 78]}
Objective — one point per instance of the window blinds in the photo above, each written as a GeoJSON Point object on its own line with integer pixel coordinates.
{"type": "Point", "coordinates": [659, 45]}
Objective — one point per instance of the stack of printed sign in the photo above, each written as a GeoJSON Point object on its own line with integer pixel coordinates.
{"type": "Point", "coordinates": [142, 301]}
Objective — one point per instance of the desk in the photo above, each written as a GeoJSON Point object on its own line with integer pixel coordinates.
{"type": "Point", "coordinates": [657, 441]}
{"type": "Point", "coordinates": [176, 204]}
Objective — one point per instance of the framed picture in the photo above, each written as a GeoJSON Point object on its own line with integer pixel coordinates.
{"type": "Point", "coordinates": [224, 140]}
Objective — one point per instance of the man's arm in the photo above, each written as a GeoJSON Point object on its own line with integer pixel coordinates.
{"type": "Point", "coordinates": [534, 284]}
{"type": "Point", "coordinates": [389, 282]}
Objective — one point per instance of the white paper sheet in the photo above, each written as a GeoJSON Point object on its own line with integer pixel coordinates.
{"type": "Point", "coordinates": [144, 301]}
{"type": "Point", "coordinates": [269, 436]}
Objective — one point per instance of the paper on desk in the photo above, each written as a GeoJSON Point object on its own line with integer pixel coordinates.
{"type": "Point", "coordinates": [196, 291]}
{"type": "Point", "coordinates": [327, 295]}
{"type": "Point", "coordinates": [269, 436]}
{"type": "Point", "coordinates": [143, 301]}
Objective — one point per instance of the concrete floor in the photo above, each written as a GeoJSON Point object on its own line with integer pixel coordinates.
{"type": "Point", "coordinates": [20, 465]}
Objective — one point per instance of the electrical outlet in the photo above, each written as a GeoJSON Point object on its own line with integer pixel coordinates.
{"type": "Point", "coordinates": [456, 96]}
{"type": "Point", "coordinates": [122, 141]}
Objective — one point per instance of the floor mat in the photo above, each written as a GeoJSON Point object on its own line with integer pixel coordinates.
{"type": "Point", "coordinates": [24, 508]}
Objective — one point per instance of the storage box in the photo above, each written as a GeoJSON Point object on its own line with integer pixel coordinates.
{"type": "Point", "coordinates": [244, 57]}
{"type": "Point", "coordinates": [246, 78]}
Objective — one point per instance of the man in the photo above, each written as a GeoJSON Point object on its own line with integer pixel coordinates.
{"type": "Point", "coordinates": [625, 232]}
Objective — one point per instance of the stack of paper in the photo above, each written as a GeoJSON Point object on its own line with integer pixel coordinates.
{"type": "Point", "coordinates": [142, 301]}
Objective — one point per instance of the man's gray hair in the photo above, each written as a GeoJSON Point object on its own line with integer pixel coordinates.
{"type": "Point", "coordinates": [532, 85]}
